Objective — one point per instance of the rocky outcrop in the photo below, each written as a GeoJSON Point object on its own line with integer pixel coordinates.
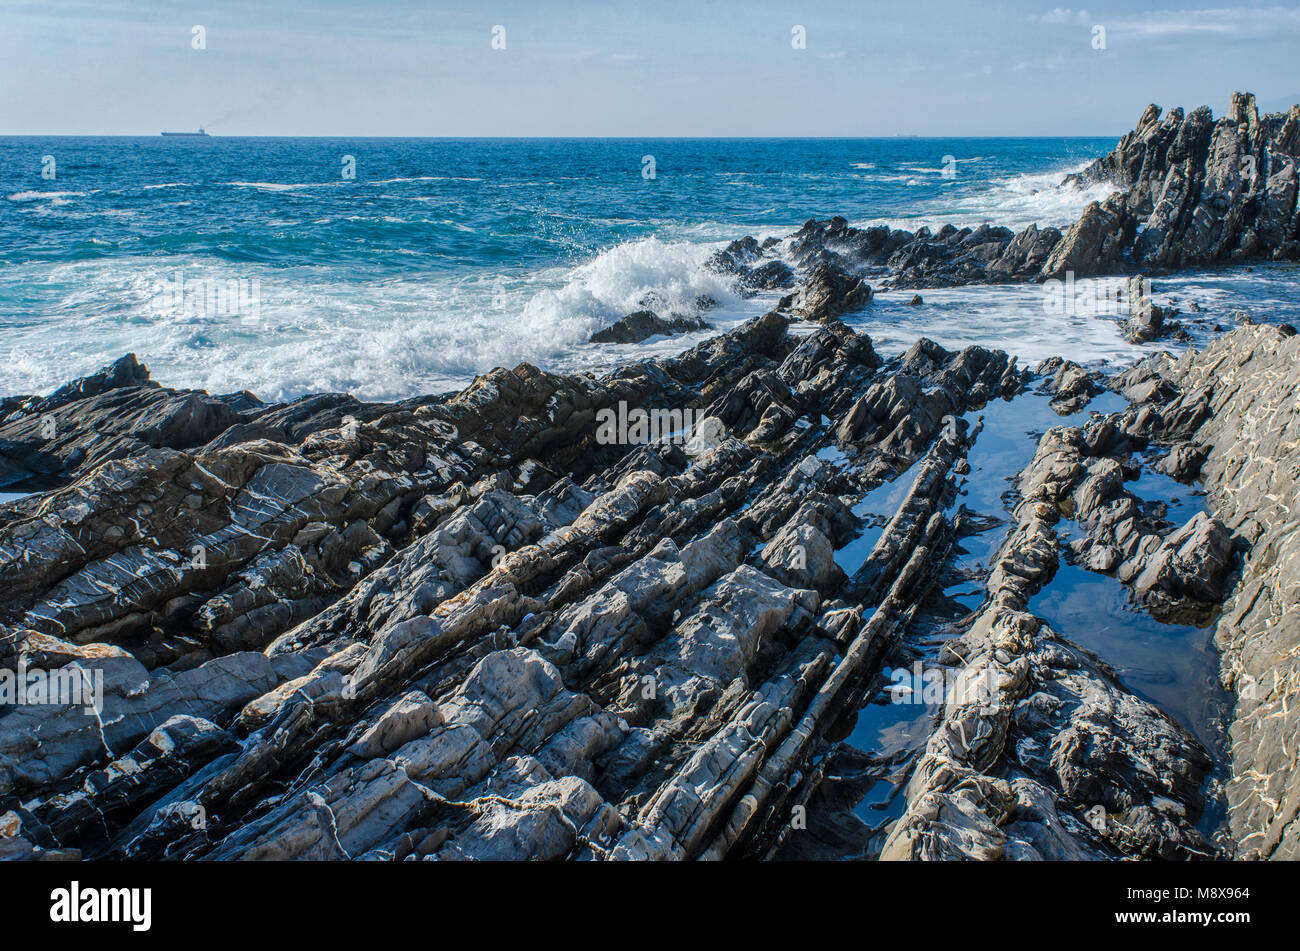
{"type": "Point", "coordinates": [1191, 191]}
{"type": "Point", "coordinates": [493, 624]}
{"type": "Point", "coordinates": [1181, 572]}
{"type": "Point", "coordinates": [113, 413]}
{"type": "Point", "coordinates": [468, 628]}
{"type": "Point", "coordinates": [829, 291]}
{"type": "Point", "coordinates": [1071, 386]}
{"type": "Point", "coordinates": [1094, 244]}
{"type": "Point", "coordinates": [1229, 416]}
{"type": "Point", "coordinates": [472, 629]}
{"type": "Point", "coordinates": [120, 412]}
{"type": "Point", "coordinates": [1146, 320]}
{"type": "Point", "coordinates": [1041, 753]}
{"type": "Point", "coordinates": [644, 324]}
{"type": "Point", "coordinates": [1208, 191]}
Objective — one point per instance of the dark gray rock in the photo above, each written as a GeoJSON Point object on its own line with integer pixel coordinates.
{"type": "Point", "coordinates": [645, 324]}
{"type": "Point", "coordinates": [828, 292]}
{"type": "Point", "coordinates": [1146, 320]}
{"type": "Point", "coordinates": [113, 414]}
{"type": "Point", "coordinates": [466, 627]}
{"type": "Point", "coordinates": [767, 277]}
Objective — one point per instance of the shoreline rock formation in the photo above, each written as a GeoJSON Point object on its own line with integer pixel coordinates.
{"type": "Point", "coordinates": [1191, 191]}
{"type": "Point", "coordinates": [1230, 416]}
{"type": "Point", "coordinates": [468, 626]}
{"type": "Point", "coordinates": [462, 628]}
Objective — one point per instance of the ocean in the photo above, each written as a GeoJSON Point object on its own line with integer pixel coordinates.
{"type": "Point", "coordinates": [394, 267]}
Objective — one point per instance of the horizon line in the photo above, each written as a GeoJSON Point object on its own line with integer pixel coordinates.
{"type": "Point", "coordinates": [720, 138]}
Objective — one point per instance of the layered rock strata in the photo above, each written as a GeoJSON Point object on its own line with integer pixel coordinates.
{"type": "Point", "coordinates": [466, 627]}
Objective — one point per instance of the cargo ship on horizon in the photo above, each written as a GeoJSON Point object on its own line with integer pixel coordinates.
{"type": "Point", "coordinates": [189, 135]}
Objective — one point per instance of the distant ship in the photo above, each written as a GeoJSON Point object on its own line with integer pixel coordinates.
{"type": "Point", "coordinates": [191, 135]}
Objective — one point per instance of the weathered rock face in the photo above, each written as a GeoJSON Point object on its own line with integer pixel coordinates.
{"type": "Point", "coordinates": [1146, 321]}
{"type": "Point", "coordinates": [115, 412]}
{"type": "Point", "coordinates": [1040, 751]}
{"type": "Point", "coordinates": [473, 626]}
{"type": "Point", "coordinates": [1230, 415]}
{"type": "Point", "coordinates": [1208, 190]}
{"type": "Point", "coordinates": [1019, 768]}
{"type": "Point", "coordinates": [1095, 243]}
{"type": "Point", "coordinates": [829, 291]}
{"type": "Point", "coordinates": [468, 628]}
{"type": "Point", "coordinates": [119, 412]}
{"type": "Point", "coordinates": [1070, 384]}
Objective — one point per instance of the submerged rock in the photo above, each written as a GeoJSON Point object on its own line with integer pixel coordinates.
{"type": "Point", "coordinates": [644, 324]}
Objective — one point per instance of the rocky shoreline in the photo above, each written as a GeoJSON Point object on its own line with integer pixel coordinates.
{"type": "Point", "coordinates": [474, 626]}
{"type": "Point", "coordinates": [1192, 191]}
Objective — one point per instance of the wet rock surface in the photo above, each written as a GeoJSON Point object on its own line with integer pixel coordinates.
{"type": "Point", "coordinates": [645, 324]}
{"type": "Point", "coordinates": [1229, 415]}
{"type": "Point", "coordinates": [467, 628]}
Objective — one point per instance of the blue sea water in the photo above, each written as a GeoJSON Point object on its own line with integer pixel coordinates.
{"type": "Point", "coordinates": [442, 258]}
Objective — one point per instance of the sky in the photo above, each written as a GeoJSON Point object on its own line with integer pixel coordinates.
{"type": "Point", "coordinates": [637, 69]}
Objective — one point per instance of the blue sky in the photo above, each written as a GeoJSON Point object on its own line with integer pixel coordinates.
{"type": "Point", "coordinates": [654, 68]}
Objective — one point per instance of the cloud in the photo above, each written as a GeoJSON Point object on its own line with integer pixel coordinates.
{"type": "Point", "coordinates": [1246, 23]}
{"type": "Point", "coordinates": [1241, 23]}
{"type": "Point", "coordinates": [1063, 15]}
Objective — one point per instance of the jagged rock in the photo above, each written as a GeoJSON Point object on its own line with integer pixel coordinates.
{"type": "Point", "coordinates": [644, 324]}
{"type": "Point", "coordinates": [735, 257]}
{"type": "Point", "coordinates": [43, 743]}
{"type": "Point", "coordinates": [766, 277]}
{"type": "Point", "coordinates": [465, 628]}
{"type": "Point", "coordinates": [1191, 191]}
{"type": "Point", "coordinates": [1183, 462]}
{"type": "Point", "coordinates": [1231, 409]}
{"type": "Point", "coordinates": [390, 566]}
{"type": "Point", "coordinates": [1193, 563]}
{"type": "Point", "coordinates": [828, 292]}
{"type": "Point", "coordinates": [125, 371]}
{"type": "Point", "coordinates": [1025, 255]}
{"type": "Point", "coordinates": [1070, 384]}
{"type": "Point", "coordinates": [1146, 321]}
{"type": "Point", "coordinates": [112, 414]}
{"type": "Point", "coordinates": [1095, 242]}
{"type": "Point", "coordinates": [164, 758]}
{"type": "Point", "coordinates": [1029, 704]}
